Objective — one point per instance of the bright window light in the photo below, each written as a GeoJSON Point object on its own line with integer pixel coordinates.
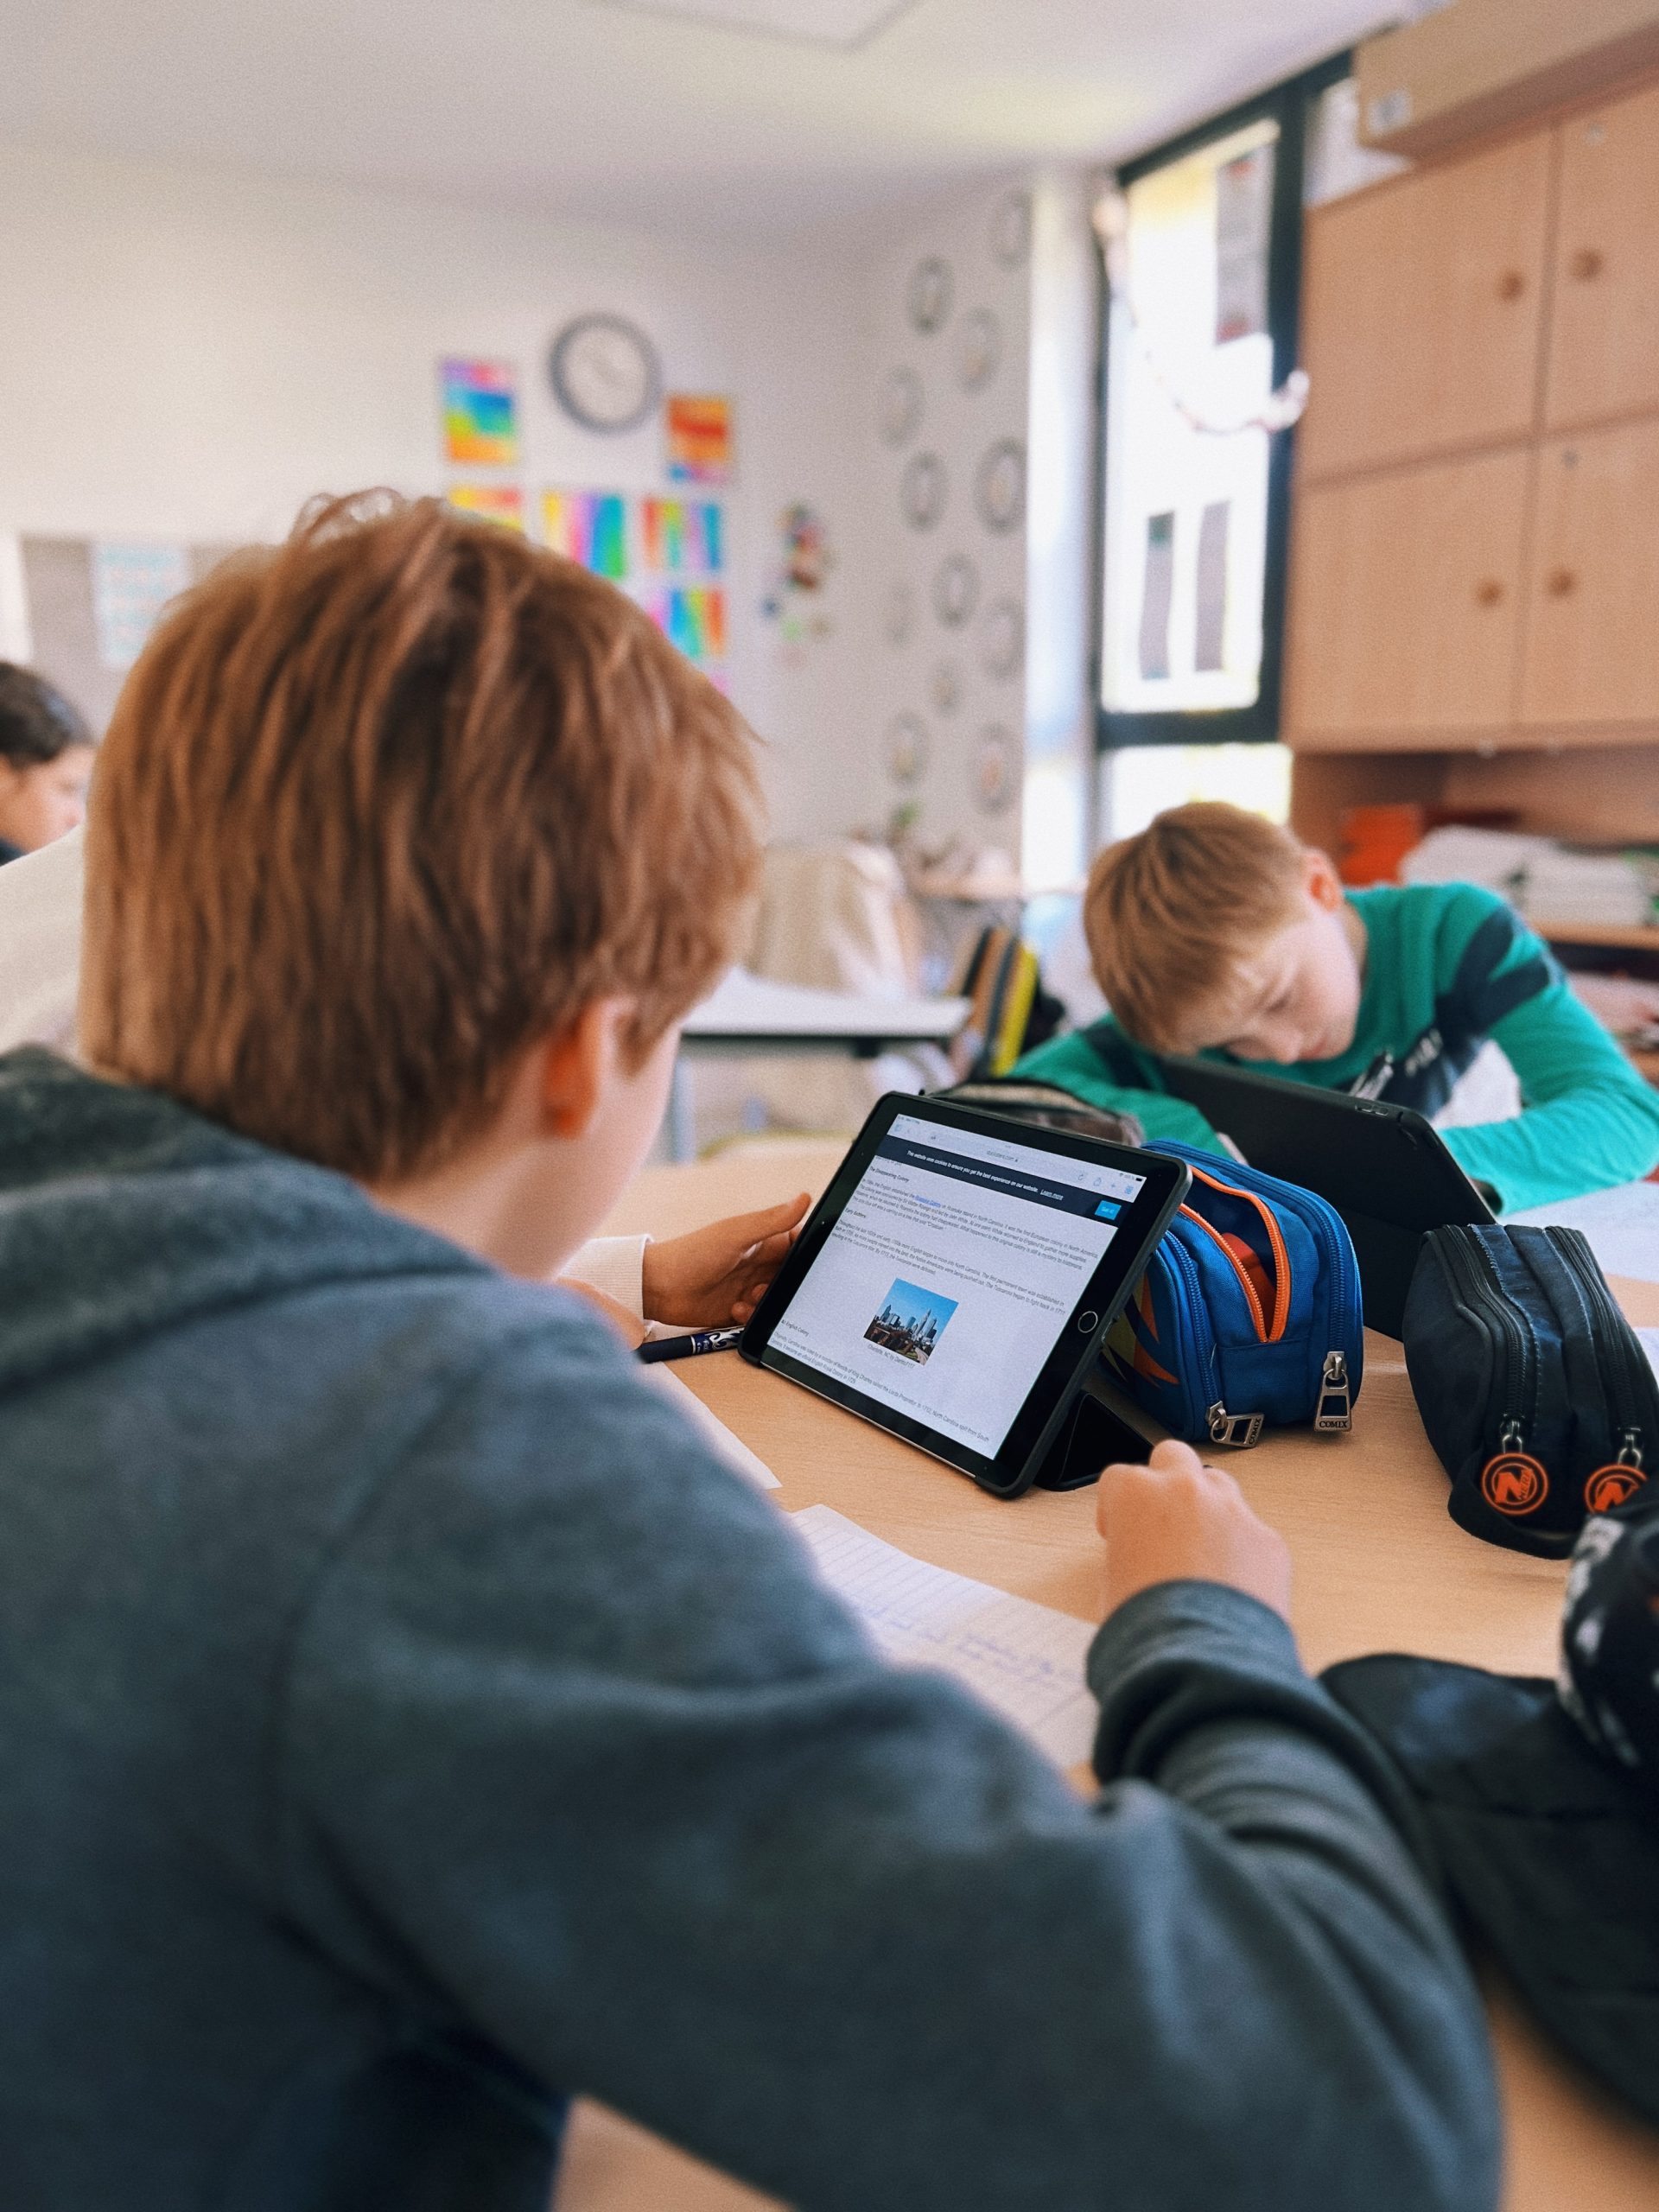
{"type": "Point", "coordinates": [1142, 780]}
{"type": "Point", "coordinates": [1186, 509]}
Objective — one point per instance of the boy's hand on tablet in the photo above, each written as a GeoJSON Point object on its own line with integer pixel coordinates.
{"type": "Point", "coordinates": [1178, 1520]}
{"type": "Point", "coordinates": [717, 1275]}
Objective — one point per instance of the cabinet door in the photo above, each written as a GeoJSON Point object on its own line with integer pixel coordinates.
{"type": "Point", "coordinates": [1604, 351]}
{"type": "Point", "coordinates": [1592, 611]}
{"type": "Point", "coordinates": [1422, 323]}
{"type": "Point", "coordinates": [1405, 612]}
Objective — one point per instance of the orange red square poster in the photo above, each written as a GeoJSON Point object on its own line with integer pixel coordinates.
{"type": "Point", "coordinates": [699, 437]}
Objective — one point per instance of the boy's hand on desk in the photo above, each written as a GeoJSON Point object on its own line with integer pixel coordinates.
{"type": "Point", "coordinates": [717, 1275]}
{"type": "Point", "coordinates": [1178, 1520]}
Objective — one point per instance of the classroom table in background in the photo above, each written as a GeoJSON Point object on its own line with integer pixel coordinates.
{"type": "Point", "coordinates": [1378, 1567]}
{"type": "Point", "coordinates": [752, 1015]}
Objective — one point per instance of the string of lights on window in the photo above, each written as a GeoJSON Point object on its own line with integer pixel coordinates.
{"type": "Point", "coordinates": [1283, 407]}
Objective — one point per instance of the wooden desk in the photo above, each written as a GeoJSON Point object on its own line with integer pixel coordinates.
{"type": "Point", "coordinates": [1378, 1567]}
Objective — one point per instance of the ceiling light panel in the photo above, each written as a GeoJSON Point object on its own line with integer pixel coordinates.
{"type": "Point", "coordinates": [844, 23]}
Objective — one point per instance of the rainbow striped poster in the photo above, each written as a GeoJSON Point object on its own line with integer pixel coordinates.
{"type": "Point", "coordinates": [480, 413]}
{"type": "Point", "coordinates": [693, 618]}
{"type": "Point", "coordinates": [682, 537]}
{"type": "Point", "coordinates": [502, 503]}
{"type": "Point", "coordinates": [591, 527]}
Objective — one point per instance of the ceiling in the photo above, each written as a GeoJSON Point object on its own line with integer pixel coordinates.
{"type": "Point", "coordinates": [623, 110]}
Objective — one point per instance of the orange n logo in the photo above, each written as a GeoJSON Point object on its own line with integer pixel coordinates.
{"type": "Point", "coordinates": [1514, 1483]}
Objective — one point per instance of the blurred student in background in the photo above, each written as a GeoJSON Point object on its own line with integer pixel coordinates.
{"type": "Point", "coordinates": [46, 763]}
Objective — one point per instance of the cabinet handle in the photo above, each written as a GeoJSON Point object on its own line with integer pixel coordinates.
{"type": "Point", "coordinates": [1587, 263]}
{"type": "Point", "coordinates": [1560, 583]}
{"type": "Point", "coordinates": [1489, 592]}
{"type": "Point", "coordinates": [1511, 285]}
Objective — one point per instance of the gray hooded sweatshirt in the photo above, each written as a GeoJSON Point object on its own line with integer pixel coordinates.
{"type": "Point", "coordinates": [405, 1723]}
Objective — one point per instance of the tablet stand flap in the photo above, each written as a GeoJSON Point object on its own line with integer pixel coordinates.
{"type": "Point", "coordinates": [1103, 1426]}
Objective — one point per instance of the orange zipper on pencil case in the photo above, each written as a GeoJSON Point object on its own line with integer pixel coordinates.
{"type": "Point", "coordinates": [1268, 1330]}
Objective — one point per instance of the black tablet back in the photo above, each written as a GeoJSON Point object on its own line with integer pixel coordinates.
{"type": "Point", "coordinates": [1383, 1167]}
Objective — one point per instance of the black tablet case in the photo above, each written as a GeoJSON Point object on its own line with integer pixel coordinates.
{"type": "Point", "coordinates": [1383, 1167]}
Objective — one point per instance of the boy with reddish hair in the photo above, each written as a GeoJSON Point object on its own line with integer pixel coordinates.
{"type": "Point", "coordinates": [407, 1723]}
{"type": "Point", "coordinates": [1215, 932]}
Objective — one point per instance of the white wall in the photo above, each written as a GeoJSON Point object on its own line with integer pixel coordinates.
{"type": "Point", "coordinates": [1058, 828]}
{"type": "Point", "coordinates": [922, 667]}
{"type": "Point", "coordinates": [189, 354]}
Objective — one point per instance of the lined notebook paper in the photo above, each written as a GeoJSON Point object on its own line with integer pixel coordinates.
{"type": "Point", "coordinates": [1026, 1659]}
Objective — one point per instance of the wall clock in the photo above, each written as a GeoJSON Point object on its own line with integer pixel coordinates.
{"type": "Point", "coordinates": [928, 296]}
{"type": "Point", "coordinates": [1003, 639]}
{"type": "Point", "coordinates": [899, 409]}
{"type": "Point", "coordinates": [922, 493]}
{"type": "Point", "coordinates": [956, 590]}
{"type": "Point", "coordinates": [906, 749]}
{"type": "Point", "coordinates": [605, 372]}
{"type": "Point", "coordinates": [1000, 486]}
{"type": "Point", "coordinates": [978, 349]}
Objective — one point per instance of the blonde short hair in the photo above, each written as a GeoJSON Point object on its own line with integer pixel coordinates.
{"type": "Point", "coordinates": [1172, 914]}
{"type": "Point", "coordinates": [384, 807]}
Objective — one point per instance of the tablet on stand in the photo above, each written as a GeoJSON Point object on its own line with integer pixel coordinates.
{"type": "Point", "coordinates": [955, 1283]}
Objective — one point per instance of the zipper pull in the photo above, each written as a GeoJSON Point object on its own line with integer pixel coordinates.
{"type": "Point", "coordinates": [1512, 1482]}
{"type": "Point", "coordinates": [1239, 1431]}
{"type": "Point", "coordinates": [1335, 1409]}
{"type": "Point", "coordinates": [1614, 1485]}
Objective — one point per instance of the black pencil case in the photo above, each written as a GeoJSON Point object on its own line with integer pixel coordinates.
{"type": "Point", "coordinates": [1535, 1389]}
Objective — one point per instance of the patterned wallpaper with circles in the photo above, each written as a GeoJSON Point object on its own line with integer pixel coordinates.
{"type": "Point", "coordinates": [953, 325]}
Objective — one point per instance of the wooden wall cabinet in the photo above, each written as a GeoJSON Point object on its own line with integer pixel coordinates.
{"type": "Point", "coordinates": [1406, 600]}
{"type": "Point", "coordinates": [1592, 609]}
{"type": "Point", "coordinates": [1474, 603]}
{"type": "Point", "coordinates": [1423, 310]}
{"type": "Point", "coordinates": [1603, 343]}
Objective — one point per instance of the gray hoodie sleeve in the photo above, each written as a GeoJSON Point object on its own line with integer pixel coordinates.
{"type": "Point", "coordinates": [577, 1756]}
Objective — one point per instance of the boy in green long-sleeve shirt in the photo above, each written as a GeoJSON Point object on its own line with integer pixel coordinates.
{"type": "Point", "coordinates": [1215, 932]}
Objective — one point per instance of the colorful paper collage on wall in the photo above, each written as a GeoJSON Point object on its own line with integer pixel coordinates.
{"type": "Point", "coordinates": [795, 602]}
{"type": "Point", "coordinates": [698, 429]}
{"type": "Point", "coordinates": [667, 554]}
{"type": "Point", "coordinates": [481, 414]}
{"type": "Point", "coordinates": [502, 503]}
{"type": "Point", "coordinates": [591, 527]}
{"type": "Point", "coordinates": [692, 617]}
{"type": "Point", "coordinates": [682, 537]}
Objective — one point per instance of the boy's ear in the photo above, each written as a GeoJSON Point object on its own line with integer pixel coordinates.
{"type": "Point", "coordinates": [1323, 883]}
{"type": "Point", "coordinates": [578, 1066]}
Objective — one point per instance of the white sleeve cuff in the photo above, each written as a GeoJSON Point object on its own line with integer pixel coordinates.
{"type": "Point", "coordinates": [615, 1265]}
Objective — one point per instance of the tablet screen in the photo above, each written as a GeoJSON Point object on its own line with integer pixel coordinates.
{"type": "Point", "coordinates": [954, 1267]}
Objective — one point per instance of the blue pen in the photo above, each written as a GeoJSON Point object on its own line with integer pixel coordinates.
{"type": "Point", "coordinates": [690, 1347]}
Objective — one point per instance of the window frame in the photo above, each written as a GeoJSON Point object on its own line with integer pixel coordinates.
{"type": "Point", "coordinates": [1289, 104]}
